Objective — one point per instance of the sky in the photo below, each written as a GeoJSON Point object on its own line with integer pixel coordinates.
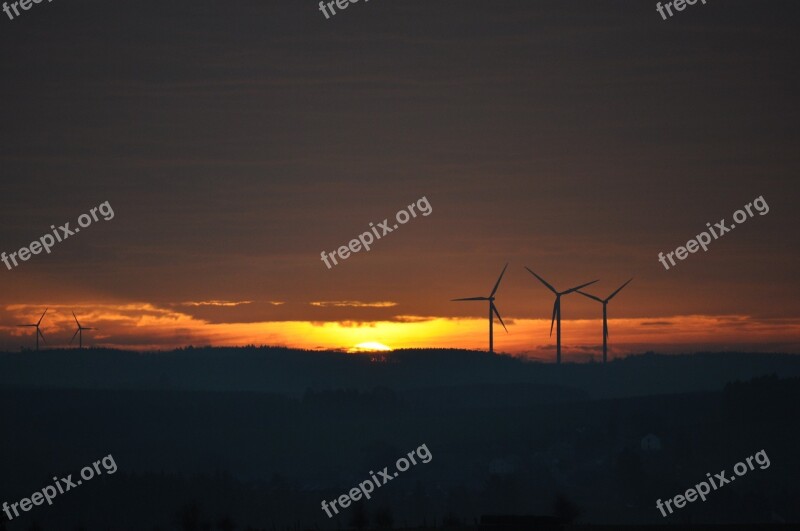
{"type": "Point", "coordinates": [235, 142]}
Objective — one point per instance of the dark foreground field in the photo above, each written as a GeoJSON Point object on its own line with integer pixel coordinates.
{"type": "Point", "coordinates": [586, 444]}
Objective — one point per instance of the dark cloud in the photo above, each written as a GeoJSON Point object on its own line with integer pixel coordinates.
{"type": "Point", "coordinates": [237, 142]}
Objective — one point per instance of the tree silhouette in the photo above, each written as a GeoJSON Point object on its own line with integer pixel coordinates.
{"type": "Point", "coordinates": [384, 518]}
{"type": "Point", "coordinates": [451, 520]}
{"type": "Point", "coordinates": [226, 524]}
{"type": "Point", "coordinates": [189, 519]}
{"type": "Point", "coordinates": [359, 520]}
{"type": "Point", "coordinates": [564, 510]}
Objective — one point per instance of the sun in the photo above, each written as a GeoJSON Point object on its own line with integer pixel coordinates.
{"type": "Point", "coordinates": [370, 346]}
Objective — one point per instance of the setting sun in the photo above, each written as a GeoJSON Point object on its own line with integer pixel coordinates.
{"type": "Point", "coordinates": [370, 346]}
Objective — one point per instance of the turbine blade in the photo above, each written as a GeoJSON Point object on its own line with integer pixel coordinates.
{"type": "Point", "coordinates": [42, 317]}
{"type": "Point", "coordinates": [555, 305]}
{"type": "Point", "coordinates": [499, 279]}
{"type": "Point", "coordinates": [76, 320]}
{"type": "Point", "coordinates": [618, 290]}
{"type": "Point", "coordinates": [494, 309]}
{"type": "Point", "coordinates": [41, 335]}
{"type": "Point", "coordinates": [598, 299]}
{"type": "Point", "coordinates": [605, 328]}
{"type": "Point", "coordinates": [471, 299]}
{"type": "Point", "coordinates": [73, 337]}
{"type": "Point", "coordinates": [543, 281]}
{"type": "Point", "coordinates": [576, 288]}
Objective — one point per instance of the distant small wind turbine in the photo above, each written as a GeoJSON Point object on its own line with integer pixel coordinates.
{"type": "Point", "coordinates": [492, 310]}
{"type": "Point", "coordinates": [79, 332]}
{"type": "Point", "coordinates": [557, 309]}
{"type": "Point", "coordinates": [38, 332]}
{"type": "Point", "coordinates": [604, 302]}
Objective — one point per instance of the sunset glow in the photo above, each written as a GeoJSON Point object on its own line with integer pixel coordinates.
{"type": "Point", "coordinates": [370, 346]}
{"type": "Point", "coordinates": [145, 326]}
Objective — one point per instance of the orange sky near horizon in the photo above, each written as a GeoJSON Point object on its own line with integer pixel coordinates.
{"type": "Point", "coordinates": [143, 326]}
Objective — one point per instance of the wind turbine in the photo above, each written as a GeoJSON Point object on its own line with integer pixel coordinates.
{"type": "Point", "coordinates": [604, 302]}
{"type": "Point", "coordinates": [557, 309]}
{"type": "Point", "coordinates": [79, 332]}
{"type": "Point", "coordinates": [492, 310]}
{"type": "Point", "coordinates": [38, 332]}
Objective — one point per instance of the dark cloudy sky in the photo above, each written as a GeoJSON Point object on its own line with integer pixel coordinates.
{"type": "Point", "coordinates": [235, 141]}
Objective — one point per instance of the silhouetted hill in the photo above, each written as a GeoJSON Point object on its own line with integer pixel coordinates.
{"type": "Point", "coordinates": [291, 372]}
{"type": "Point", "coordinates": [268, 459]}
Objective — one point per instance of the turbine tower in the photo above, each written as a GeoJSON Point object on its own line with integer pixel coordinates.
{"type": "Point", "coordinates": [604, 302]}
{"type": "Point", "coordinates": [557, 309]}
{"type": "Point", "coordinates": [79, 332]}
{"type": "Point", "coordinates": [38, 332]}
{"type": "Point", "coordinates": [492, 310]}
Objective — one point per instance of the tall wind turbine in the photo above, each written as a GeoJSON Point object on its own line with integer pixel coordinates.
{"type": "Point", "coordinates": [79, 332]}
{"type": "Point", "coordinates": [557, 309]}
{"type": "Point", "coordinates": [492, 310]}
{"type": "Point", "coordinates": [38, 332]}
{"type": "Point", "coordinates": [604, 302]}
